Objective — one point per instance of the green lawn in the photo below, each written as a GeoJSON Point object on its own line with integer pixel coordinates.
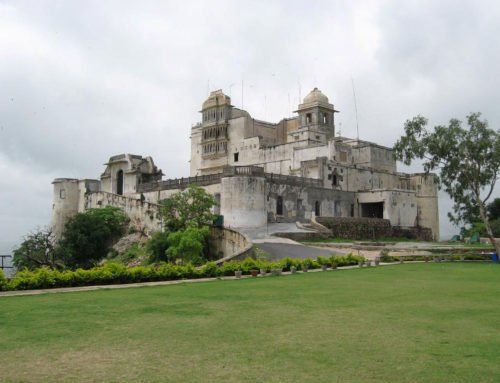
{"type": "Point", "coordinates": [437, 322]}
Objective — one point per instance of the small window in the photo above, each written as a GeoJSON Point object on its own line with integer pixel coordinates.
{"type": "Point", "coordinates": [236, 157]}
{"type": "Point", "coordinates": [325, 118]}
{"type": "Point", "coordinates": [308, 118]}
{"type": "Point", "coordinates": [317, 137]}
{"type": "Point", "coordinates": [279, 206]}
{"type": "Point", "coordinates": [62, 194]}
{"type": "Point", "coordinates": [343, 156]}
{"type": "Point", "coordinates": [296, 138]}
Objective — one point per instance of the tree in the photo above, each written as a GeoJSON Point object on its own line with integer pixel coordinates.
{"type": "Point", "coordinates": [37, 250]}
{"type": "Point", "coordinates": [468, 162]}
{"type": "Point", "coordinates": [190, 208]}
{"type": "Point", "coordinates": [494, 209]}
{"type": "Point", "coordinates": [88, 236]}
{"type": "Point", "coordinates": [157, 246]}
{"type": "Point", "coordinates": [187, 245]}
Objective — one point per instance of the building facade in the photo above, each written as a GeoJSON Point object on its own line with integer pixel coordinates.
{"type": "Point", "coordinates": [263, 172]}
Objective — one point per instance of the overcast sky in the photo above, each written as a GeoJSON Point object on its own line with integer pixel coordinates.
{"type": "Point", "coordinates": [83, 80]}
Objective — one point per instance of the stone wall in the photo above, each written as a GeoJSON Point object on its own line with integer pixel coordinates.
{"type": "Point", "coordinates": [143, 215]}
{"type": "Point", "coordinates": [230, 244]}
{"type": "Point", "coordinates": [357, 228]}
{"type": "Point", "coordinates": [418, 233]}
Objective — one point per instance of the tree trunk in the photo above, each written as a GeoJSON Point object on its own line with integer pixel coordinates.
{"type": "Point", "coordinates": [484, 217]}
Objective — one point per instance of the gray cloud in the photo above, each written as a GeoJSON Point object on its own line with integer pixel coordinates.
{"type": "Point", "coordinates": [81, 81]}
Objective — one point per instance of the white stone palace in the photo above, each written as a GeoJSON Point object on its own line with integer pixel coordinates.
{"type": "Point", "coordinates": [263, 172]}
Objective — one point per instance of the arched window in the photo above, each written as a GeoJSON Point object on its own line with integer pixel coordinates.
{"type": "Point", "coordinates": [119, 182]}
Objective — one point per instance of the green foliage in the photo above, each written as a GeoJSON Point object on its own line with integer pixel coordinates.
{"type": "Point", "coordinates": [114, 273]}
{"type": "Point", "coordinates": [493, 209]}
{"type": "Point", "coordinates": [38, 250]}
{"type": "Point", "coordinates": [157, 247]}
{"type": "Point", "coordinates": [190, 208]}
{"type": "Point", "coordinates": [187, 246]}
{"type": "Point", "coordinates": [468, 161]}
{"type": "Point", "coordinates": [3, 281]}
{"type": "Point", "coordinates": [88, 236]}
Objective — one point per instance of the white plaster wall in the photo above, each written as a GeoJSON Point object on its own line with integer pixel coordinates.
{"type": "Point", "coordinates": [65, 202]}
{"type": "Point", "coordinates": [400, 207]}
{"type": "Point", "coordinates": [427, 202]}
{"type": "Point", "coordinates": [196, 151]}
{"type": "Point", "coordinates": [243, 201]}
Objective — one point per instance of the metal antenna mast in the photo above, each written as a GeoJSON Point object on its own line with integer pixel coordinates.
{"type": "Point", "coordinates": [356, 109]}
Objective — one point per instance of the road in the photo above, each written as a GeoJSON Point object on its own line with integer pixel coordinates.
{"type": "Point", "coordinates": [279, 248]}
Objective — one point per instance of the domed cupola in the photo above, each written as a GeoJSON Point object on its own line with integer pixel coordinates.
{"type": "Point", "coordinates": [315, 96]}
{"type": "Point", "coordinates": [316, 115]}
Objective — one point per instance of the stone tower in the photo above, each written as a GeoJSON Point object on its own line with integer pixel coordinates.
{"type": "Point", "coordinates": [316, 117]}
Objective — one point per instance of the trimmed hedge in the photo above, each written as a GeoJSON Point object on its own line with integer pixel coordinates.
{"type": "Point", "coordinates": [436, 257]}
{"type": "Point", "coordinates": [114, 273]}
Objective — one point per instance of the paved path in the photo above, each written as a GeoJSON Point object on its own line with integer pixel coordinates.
{"type": "Point", "coordinates": [279, 248]}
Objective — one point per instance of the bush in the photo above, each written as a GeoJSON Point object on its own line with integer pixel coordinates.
{"type": "Point", "coordinates": [88, 236]}
{"type": "Point", "coordinates": [157, 246]}
{"type": "Point", "coordinates": [210, 270]}
{"type": "Point", "coordinates": [188, 245]}
{"type": "Point", "coordinates": [111, 273]}
{"type": "Point", "coordinates": [3, 281]}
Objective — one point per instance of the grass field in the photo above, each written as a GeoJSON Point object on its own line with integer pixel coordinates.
{"type": "Point", "coordinates": [437, 322]}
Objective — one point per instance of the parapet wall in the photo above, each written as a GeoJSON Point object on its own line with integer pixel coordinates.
{"type": "Point", "coordinates": [230, 244]}
{"type": "Point", "coordinates": [371, 228]}
{"type": "Point", "coordinates": [357, 228]}
{"type": "Point", "coordinates": [143, 215]}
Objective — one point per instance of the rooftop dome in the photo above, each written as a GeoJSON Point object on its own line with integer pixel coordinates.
{"type": "Point", "coordinates": [217, 97]}
{"type": "Point", "coordinates": [315, 96]}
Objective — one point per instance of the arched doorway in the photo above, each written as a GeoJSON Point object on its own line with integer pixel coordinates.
{"type": "Point", "coordinates": [119, 182]}
{"type": "Point", "coordinates": [279, 205]}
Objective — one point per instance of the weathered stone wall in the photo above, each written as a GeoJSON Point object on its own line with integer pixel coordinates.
{"type": "Point", "coordinates": [243, 201]}
{"type": "Point", "coordinates": [418, 233]}
{"type": "Point", "coordinates": [144, 215]}
{"type": "Point", "coordinates": [230, 244]}
{"type": "Point", "coordinates": [357, 228]}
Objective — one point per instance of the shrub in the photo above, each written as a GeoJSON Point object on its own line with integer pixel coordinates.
{"type": "Point", "coordinates": [157, 246]}
{"type": "Point", "coordinates": [3, 281]}
{"type": "Point", "coordinates": [210, 270]}
{"type": "Point", "coordinates": [228, 268]}
{"type": "Point", "coordinates": [166, 271]}
{"type": "Point", "coordinates": [187, 245]}
{"type": "Point", "coordinates": [88, 236]}
{"type": "Point", "coordinates": [323, 260]}
{"type": "Point", "coordinates": [287, 263]}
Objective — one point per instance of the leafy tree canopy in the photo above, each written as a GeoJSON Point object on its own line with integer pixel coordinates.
{"type": "Point", "coordinates": [190, 208]}
{"type": "Point", "coordinates": [494, 209]}
{"type": "Point", "coordinates": [37, 250]}
{"type": "Point", "coordinates": [187, 246]}
{"type": "Point", "coordinates": [88, 236]}
{"type": "Point", "coordinates": [468, 161]}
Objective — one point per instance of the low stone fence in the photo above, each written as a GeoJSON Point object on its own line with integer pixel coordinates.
{"type": "Point", "coordinates": [357, 228]}
{"type": "Point", "coordinates": [418, 233]}
{"type": "Point", "coordinates": [179, 183]}
{"type": "Point", "coordinates": [230, 244]}
{"type": "Point", "coordinates": [143, 215]}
